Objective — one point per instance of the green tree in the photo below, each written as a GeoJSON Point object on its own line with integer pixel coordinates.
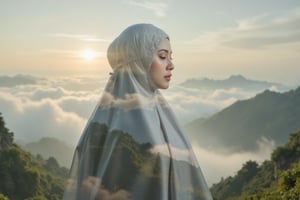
{"type": "Point", "coordinates": [6, 136]}
{"type": "Point", "coordinates": [2, 197]}
{"type": "Point", "coordinates": [26, 177]}
{"type": "Point", "coordinates": [289, 184]}
{"type": "Point", "coordinates": [253, 182]}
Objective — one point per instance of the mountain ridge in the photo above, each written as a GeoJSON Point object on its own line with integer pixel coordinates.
{"type": "Point", "coordinates": [269, 114]}
{"type": "Point", "coordinates": [19, 79]}
{"type": "Point", "coordinates": [52, 147]}
{"type": "Point", "coordinates": [234, 81]}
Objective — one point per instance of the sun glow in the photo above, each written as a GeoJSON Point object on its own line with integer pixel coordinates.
{"type": "Point", "coordinates": [89, 54]}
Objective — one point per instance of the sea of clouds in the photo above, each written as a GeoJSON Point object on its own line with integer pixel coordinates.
{"type": "Point", "coordinates": [60, 107]}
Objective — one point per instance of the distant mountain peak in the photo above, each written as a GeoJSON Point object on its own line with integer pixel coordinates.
{"type": "Point", "coordinates": [234, 81]}
{"type": "Point", "coordinates": [19, 79]}
{"type": "Point", "coordinates": [237, 77]}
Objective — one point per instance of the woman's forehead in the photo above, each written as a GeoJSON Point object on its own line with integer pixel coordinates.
{"type": "Point", "coordinates": [165, 45]}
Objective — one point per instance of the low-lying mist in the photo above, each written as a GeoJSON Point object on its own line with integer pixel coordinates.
{"type": "Point", "coordinates": [60, 108]}
{"type": "Point", "coordinates": [218, 164]}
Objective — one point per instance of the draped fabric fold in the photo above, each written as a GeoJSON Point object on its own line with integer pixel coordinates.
{"type": "Point", "coordinates": [133, 146]}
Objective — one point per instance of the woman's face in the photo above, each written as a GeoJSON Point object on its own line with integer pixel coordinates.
{"type": "Point", "coordinates": [162, 65]}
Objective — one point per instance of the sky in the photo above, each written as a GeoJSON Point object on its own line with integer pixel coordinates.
{"type": "Point", "coordinates": [258, 39]}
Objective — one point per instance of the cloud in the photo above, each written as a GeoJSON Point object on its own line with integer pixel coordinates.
{"type": "Point", "coordinates": [74, 98]}
{"type": "Point", "coordinates": [59, 107]}
{"type": "Point", "coordinates": [216, 165]}
{"type": "Point", "coordinates": [82, 37]}
{"type": "Point", "coordinates": [53, 93]}
{"type": "Point", "coordinates": [11, 81]}
{"type": "Point", "coordinates": [82, 106]}
{"type": "Point", "coordinates": [190, 104]}
{"type": "Point", "coordinates": [129, 102]}
{"type": "Point", "coordinates": [230, 95]}
{"type": "Point", "coordinates": [70, 53]}
{"type": "Point", "coordinates": [256, 33]}
{"type": "Point", "coordinates": [31, 120]}
{"type": "Point", "coordinates": [177, 153]}
{"type": "Point", "coordinates": [48, 109]}
{"type": "Point", "coordinates": [159, 8]}
{"type": "Point", "coordinates": [80, 83]}
{"type": "Point", "coordinates": [82, 103]}
{"type": "Point", "coordinates": [91, 185]}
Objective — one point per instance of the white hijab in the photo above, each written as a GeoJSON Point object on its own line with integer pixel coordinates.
{"type": "Point", "coordinates": [133, 146]}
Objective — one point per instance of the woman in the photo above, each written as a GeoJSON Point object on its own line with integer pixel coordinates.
{"type": "Point", "coordinates": [133, 147]}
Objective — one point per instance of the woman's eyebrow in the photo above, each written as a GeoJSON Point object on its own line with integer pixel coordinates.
{"type": "Point", "coordinates": [165, 50]}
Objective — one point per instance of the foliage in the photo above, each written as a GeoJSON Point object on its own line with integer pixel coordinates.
{"type": "Point", "coordinates": [289, 153]}
{"type": "Point", "coordinates": [6, 136]}
{"type": "Point", "coordinates": [289, 184]}
{"type": "Point", "coordinates": [2, 197]}
{"type": "Point", "coordinates": [52, 166]}
{"type": "Point", "coordinates": [234, 186]}
{"type": "Point", "coordinates": [26, 177]}
{"type": "Point", "coordinates": [141, 163]}
{"type": "Point", "coordinates": [276, 179]}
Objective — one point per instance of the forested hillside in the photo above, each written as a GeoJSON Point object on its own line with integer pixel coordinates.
{"type": "Point", "coordinates": [52, 147]}
{"type": "Point", "coordinates": [271, 115]}
{"type": "Point", "coordinates": [278, 178]}
{"type": "Point", "coordinates": [27, 177]}
{"type": "Point", "coordinates": [24, 177]}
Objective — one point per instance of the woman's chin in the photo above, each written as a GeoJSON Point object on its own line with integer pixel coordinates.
{"type": "Point", "coordinates": [164, 87]}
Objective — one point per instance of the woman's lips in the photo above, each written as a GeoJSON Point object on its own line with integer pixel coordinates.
{"type": "Point", "coordinates": [168, 77]}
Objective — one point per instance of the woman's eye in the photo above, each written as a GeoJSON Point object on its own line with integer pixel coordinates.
{"type": "Point", "coordinates": [162, 57]}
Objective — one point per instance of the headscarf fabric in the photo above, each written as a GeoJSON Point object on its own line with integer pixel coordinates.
{"type": "Point", "coordinates": [133, 147]}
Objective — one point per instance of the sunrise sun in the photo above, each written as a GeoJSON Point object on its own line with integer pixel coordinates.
{"type": "Point", "coordinates": [88, 54]}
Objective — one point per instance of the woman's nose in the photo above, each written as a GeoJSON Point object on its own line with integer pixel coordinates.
{"type": "Point", "coordinates": [170, 65]}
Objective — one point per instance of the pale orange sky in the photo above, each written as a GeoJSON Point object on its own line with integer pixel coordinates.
{"type": "Point", "coordinates": [260, 40]}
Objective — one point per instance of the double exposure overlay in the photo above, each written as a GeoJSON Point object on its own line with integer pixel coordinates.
{"type": "Point", "coordinates": [133, 147]}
